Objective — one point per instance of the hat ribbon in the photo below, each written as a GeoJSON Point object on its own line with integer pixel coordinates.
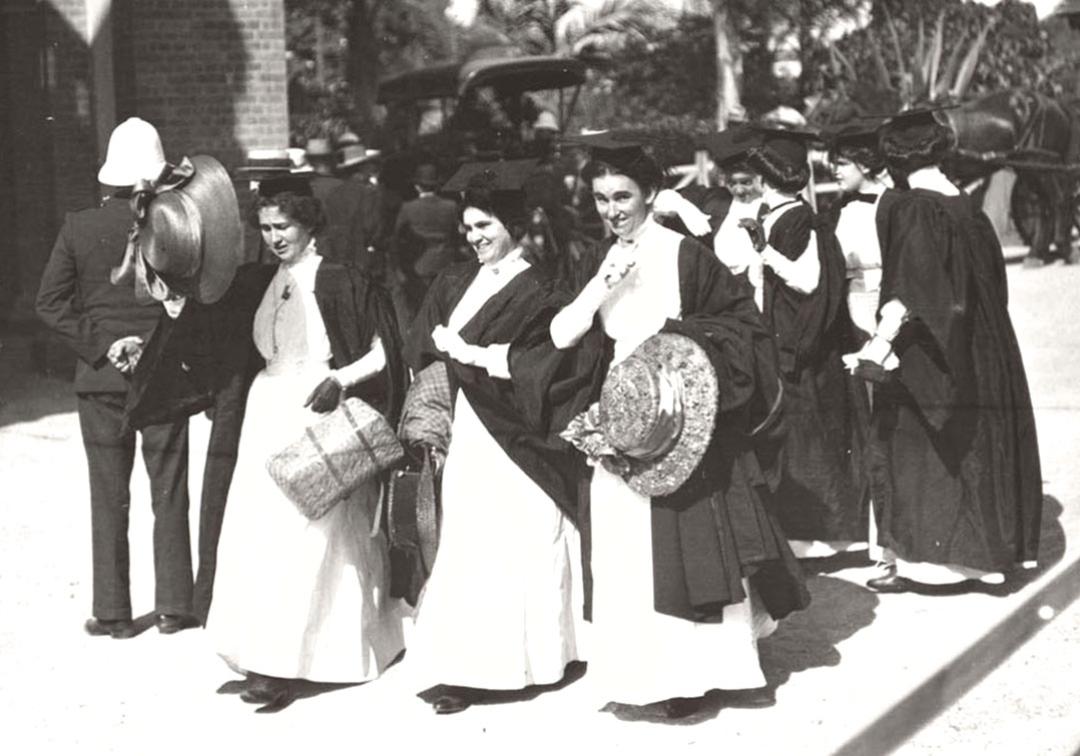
{"type": "Point", "coordinates": [668, 425]}
{"type": "Point", "coordinates": [132, 267]}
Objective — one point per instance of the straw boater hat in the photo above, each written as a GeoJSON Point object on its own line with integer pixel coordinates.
{"type": "Point", "coordinates": [355, 154]}
{"type": "Point", "coordinates": [658, 409]}
{"type": "Point", "coordinates": [264, 163]}
{"type": "Point", "coordinates": [191, 237]}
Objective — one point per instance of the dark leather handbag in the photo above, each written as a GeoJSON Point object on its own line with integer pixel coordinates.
{"type": "Point", "coordinates": [413, 515]}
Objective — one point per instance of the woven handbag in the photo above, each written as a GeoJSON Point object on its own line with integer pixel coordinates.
{"type": "Point", "coordinates": [334, 456]}
{"type": "Point", "coordinates": [413, 515]}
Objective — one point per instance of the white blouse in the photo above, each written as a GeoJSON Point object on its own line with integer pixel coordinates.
{"type": "Point", "coordinates": [649, 295]}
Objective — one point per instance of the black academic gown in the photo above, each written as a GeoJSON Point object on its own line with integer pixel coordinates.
{"type": "Point", "coordinates": [720, 526]}
{"type": "Point", "coordinates": [206, 360]}
{"type": "Point", "coordinates": [817, 498]}
{"type": "Point", "coordinates": [955, 463]}
{"type": "Point", "coordinates": [548, 387]}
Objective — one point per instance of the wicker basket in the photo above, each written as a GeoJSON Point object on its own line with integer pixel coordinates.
{"type": "Point", "coordinates": [334, 456]}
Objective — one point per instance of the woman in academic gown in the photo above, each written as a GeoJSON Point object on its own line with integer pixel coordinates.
{"type": "Point", "coordinates": [676, 616]}
{"type": "Point", "coordinates": [860, 171]}
{"type": "Point", "coordinates": [802, 304]}
{"type": "Point", "coordinates": [957, 488]}
{"type": "Point", "coordinates": [502, 607]}
{"type": "Point", "coordinates": [296, 598]}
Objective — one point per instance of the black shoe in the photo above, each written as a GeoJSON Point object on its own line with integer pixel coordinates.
{"type": "Point", "coordinates": [115, 628]}
{"type": "Point", "coordinates": [450, 704]}
{"type": "Point", "coordinates": [890, 583]}
{"type": "Point", "coordinates": [681, 708]}
{"type": "Point", "coordinates": [167, 624]}
{"type": "Point", "coordinates": [753, 698]}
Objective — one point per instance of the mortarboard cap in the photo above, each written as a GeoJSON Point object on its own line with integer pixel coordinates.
{"type": "Point", "coordinates": [785, 144]}
{"type": "Point", "coordinates": [857, 132]}
{"type": "Point", "coordinates": [496, 176]}
{"type": "Point", "coordinates": [732, 144]}
{"type": "Point", "coordinates": [619, 149]}
{"type": "Point", "coordinates": [915, 126]}
{"type": "Point", "coordinates": [503, 180]}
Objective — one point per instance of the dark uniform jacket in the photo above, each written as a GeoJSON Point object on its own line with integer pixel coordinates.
{"type": "Point", "coordinates": [77, 300]}
{"type": "Point", "coordinates": [425, 235]}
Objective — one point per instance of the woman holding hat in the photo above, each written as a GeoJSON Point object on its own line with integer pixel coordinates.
{"type": "Point", "coordinates": [297, 598]}
{"type": "Point", "coordinates": [684, 583]}
{"type": "Point", "coordinates": [802, 300]}
{"type": "Point", "coordinates": [500, 608]}
{"type": "Point", "coordinates": [956, 484]}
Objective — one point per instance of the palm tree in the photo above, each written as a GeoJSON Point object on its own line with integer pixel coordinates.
{"type": "Point", "coordinates": [590, 29]}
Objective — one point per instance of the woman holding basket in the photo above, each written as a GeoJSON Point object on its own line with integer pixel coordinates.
{"type": "Point", "coordinates": [297, 598]}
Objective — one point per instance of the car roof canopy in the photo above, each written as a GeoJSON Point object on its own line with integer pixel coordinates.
{"type": "Point", "coordinates": [526, 74]}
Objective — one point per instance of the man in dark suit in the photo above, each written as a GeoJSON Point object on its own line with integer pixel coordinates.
{"type": "Point", "coordinates": [107, 328]}
{"type": "Point", "coordinates": [425, 239]}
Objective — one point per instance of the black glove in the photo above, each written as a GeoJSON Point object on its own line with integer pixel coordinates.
{"type": "Point", "coordinates": [326, 395]}
{"type": "Point", "coordinates": [756, 231]}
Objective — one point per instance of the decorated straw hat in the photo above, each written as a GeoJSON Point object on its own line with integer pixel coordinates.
{"type": "Point", "coordinates": [192, 235]}
{"type": "Point", "coordinates": [658, 410]}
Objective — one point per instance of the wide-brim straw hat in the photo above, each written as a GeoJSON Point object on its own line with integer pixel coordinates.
{"type": "Point", "coordinates": [264, 163]}
{"type": "Point", "coordinates": [193, 237]}
{"type": "Point", "coordinates": [658, 408]}
{"type": "Point", "coordinates": [355, 154]}
{"type": "Point", "coordinates": [134, 154]}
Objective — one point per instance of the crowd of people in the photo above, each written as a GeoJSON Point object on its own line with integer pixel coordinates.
{"type": "Point", "coordinates": [641, 427]}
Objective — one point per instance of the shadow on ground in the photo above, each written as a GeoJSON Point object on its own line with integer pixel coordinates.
{"type": "Point", "coordinates": [804, 640]}
{"type": "Point", "coordinates": [32, 385]}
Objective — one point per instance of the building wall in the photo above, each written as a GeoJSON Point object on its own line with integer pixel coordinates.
{"type": "Point", "coordinates": [210, 74]}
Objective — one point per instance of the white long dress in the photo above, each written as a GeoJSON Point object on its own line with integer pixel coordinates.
{"type": "Point", "coordinates": [297, 598]}
{"type": "Point", "coordinates": [637, 655]}
{"type": "Point", "coordinates": [501, 609]}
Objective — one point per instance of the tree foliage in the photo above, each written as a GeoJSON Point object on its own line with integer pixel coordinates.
{"type": "Point", "coordinates": [587, 29]}
{"type": "Point", "coordinates": [928, 50]}
{"type": "Point", "coordinates": [338, 50]}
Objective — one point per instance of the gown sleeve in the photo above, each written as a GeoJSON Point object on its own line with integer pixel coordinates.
{"type": "Point", "coordinates": [924, 267]}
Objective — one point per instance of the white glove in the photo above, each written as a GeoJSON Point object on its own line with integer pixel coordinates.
{"type": "Point", "coordinates": [494, 359]}
{"type": "Point", "coordinates": [670, 202]}
{"type": "Point", "coordinates": [876, 350]}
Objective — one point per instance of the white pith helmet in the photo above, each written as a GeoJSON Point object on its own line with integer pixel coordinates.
{"type": "Point", "coordinates": [134, 154]}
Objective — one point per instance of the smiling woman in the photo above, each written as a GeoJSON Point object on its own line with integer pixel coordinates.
{"type": "Point", "coordinates": [502, 607]}
{"type": "Point", "coordinates": [674, 617]}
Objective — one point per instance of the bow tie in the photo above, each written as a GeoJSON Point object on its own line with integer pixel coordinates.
{"type": "Point", "coordinates": [860, 197]}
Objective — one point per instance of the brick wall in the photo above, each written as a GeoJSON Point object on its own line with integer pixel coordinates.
{"type": "Point", "coordinates": [210, 74]}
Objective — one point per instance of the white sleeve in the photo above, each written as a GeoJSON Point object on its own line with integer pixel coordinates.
{"type": "Point", "coordinates": [365, 367]}
{"type": "Point", "coordinates": [893, 315]}
{"type": "Point", "coordinates": [803, 273]}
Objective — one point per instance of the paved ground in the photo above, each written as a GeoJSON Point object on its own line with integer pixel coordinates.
{"type": "Point", "coordinates": [853, 663]}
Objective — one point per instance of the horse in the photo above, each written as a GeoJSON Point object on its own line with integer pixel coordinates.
{"type": "Point", "coordinates": [1039, 137]}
